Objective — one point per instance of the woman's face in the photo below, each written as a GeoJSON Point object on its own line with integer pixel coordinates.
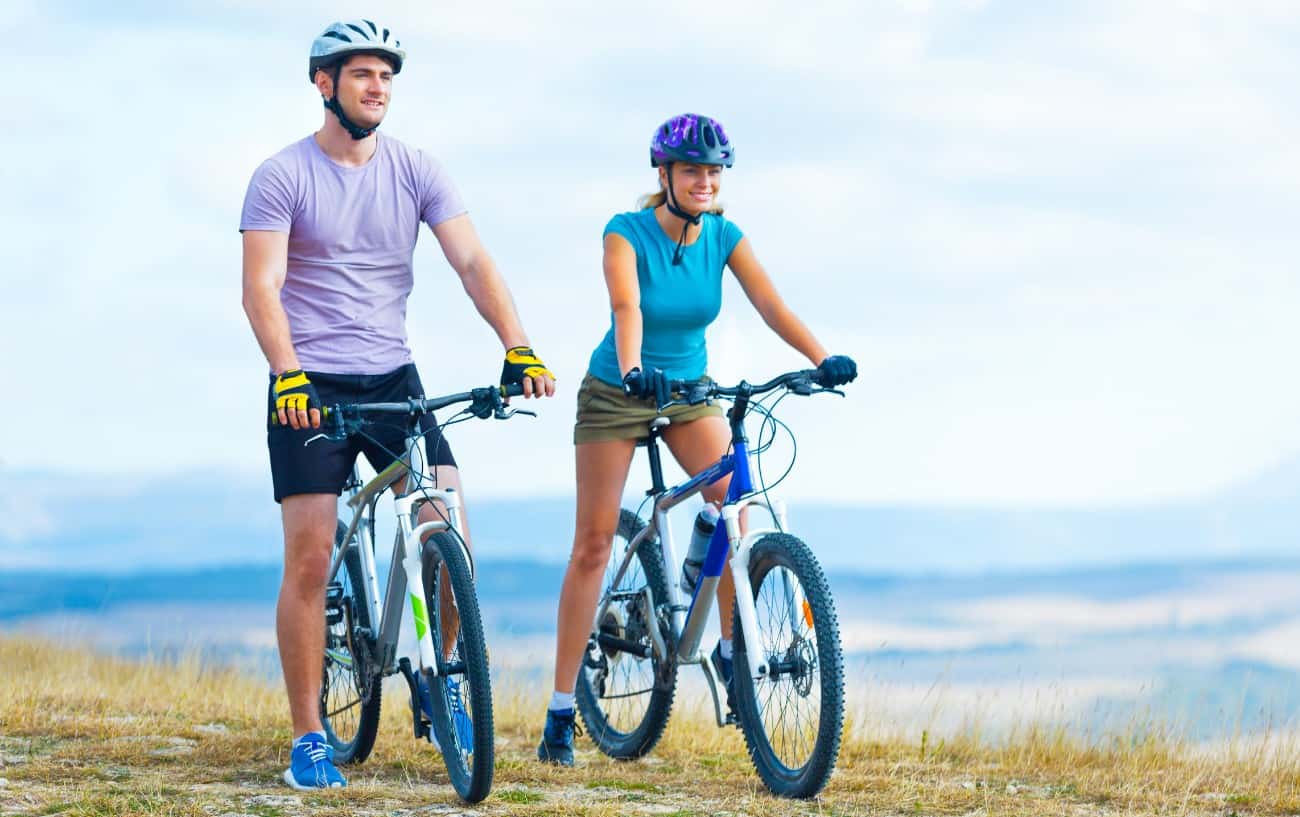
{"type": "Point", "coordinates": [695, 186]}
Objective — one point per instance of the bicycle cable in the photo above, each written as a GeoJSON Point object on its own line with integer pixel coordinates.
{"type": "Point", "coordinates": [417, 477]}
{"type": "Point", "coordinates": [770, 417]}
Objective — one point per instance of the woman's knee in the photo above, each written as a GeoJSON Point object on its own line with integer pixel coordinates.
{"type": "Point", "coordinates": [591, 548]}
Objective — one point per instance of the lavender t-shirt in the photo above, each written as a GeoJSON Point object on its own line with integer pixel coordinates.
{"type": "Point", "coordinates": [352, 233]}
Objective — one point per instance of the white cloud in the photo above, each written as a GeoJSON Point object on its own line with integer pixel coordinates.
{"type": "Point", "coordinates": [1054, 242]}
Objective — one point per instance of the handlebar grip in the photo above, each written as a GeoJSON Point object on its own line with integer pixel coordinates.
{"type": "Point", "coordinates": [324, 415]}
{"type": "Point", "coordinates": [512, 390]}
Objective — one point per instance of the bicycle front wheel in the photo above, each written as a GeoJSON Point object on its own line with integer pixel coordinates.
{"type": "Point", "coordinates": [793, 716]}
{"type": "Point", "coordinates": [350, 686]}
{"type": "Point", "coordinates": [625, 699]}
{"type": "Point", "coordinates": [462, 692]}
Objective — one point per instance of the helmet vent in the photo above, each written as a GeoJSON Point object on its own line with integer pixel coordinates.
{"type": "Point", "coordinates": [691, 138]}
{"type": "Point", "coordinates": [359, 30]}
{"type": "Point", "coordinates": [373, 29]}
{"type": "Point", "coordinates": [385, 36]}
{"type": "Point", "coordinates": [336, 35]}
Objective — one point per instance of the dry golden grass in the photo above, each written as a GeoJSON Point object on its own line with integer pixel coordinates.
{"type": "Point", "coordinates": [82, 734]}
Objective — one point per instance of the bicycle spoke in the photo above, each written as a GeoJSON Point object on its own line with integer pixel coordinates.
{"type": "Point", "coordinates": [624, 698]}
{"type": "Point", "coordinates": [630, 679]}
{"type": "Point", "coordinates": [344, 708]}
{"type": "Point", "coordinates": [789, 700]}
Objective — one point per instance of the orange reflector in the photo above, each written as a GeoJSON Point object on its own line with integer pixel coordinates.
{"type": "Point", "coordinates": [807, 612]}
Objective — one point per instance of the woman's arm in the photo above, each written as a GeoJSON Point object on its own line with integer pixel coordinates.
{"type": "Point", "coordinates": [763, 295]}
{"type": "Point", "coordinates": [624, 300]}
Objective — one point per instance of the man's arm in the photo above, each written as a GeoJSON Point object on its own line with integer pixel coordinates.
{"type": "Point", "coordinates": [266, 257]}
{"type": "Point", "coordinates": [487, 289]}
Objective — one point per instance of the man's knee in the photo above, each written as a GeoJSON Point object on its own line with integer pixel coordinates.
{"type": "Point", "coordinates": [309, 526]}
{"type": "Point", "coordinates": [307, 569]}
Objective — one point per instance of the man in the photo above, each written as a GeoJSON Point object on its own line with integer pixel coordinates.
{"type": "Point", "coordinates": [329, 227]}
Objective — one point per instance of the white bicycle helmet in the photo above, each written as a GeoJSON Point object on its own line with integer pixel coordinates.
{"type": "Point", "coordinates": [348, 37]}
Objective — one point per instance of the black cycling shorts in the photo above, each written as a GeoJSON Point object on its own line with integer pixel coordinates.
{"type": "Point", "coordinates": [324, 466]}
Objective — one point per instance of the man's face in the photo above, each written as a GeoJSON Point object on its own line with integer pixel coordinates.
{"type": "Point", "coordinates": [365, 85]}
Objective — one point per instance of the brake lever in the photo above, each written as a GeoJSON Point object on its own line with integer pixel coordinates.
{"type": "Point", "coordinates": [829, 390]}
{"type": "Point", "coordinates": [699, 394]}
{"type": "Point", "coordinates": [504, 414]}
{"type": "Point", "coordinates": [670, 404]}
{"type": "Point", "coordinates": [335, 427]}
{"type": "Point", "coordinates": [325, 435]}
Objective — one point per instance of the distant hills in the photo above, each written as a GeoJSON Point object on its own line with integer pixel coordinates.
{"type": "Point", "coordinates": [197, 520]}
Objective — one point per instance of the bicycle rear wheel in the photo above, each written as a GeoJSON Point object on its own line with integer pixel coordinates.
{"type": "Point", "coordinates": [350, 693]}
{"type": "Point", "coordinates": [625, 699]}
{"type": "Point", "coordinates": [462, 694]}
{"type": "Point", "coordinates": [792, 717]}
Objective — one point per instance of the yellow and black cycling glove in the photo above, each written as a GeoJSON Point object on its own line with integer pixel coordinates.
{"type": "Point", "coordinates": [521, 363]}
{"type": "Point", "coordinates": [294, 392]}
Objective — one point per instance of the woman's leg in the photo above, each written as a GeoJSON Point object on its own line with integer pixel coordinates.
{"type": "Point", "coordinates": [697, 445]}
{"type": "Point", "coordinates": [602, 470]}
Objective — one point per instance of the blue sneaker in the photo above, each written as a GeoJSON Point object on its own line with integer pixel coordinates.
{"type": "Point", "coordinates": [459, 717]}
{"type": "Point", "coordinates": [311, 765]}
{"type": "Point", "coordinates": [557, 737]}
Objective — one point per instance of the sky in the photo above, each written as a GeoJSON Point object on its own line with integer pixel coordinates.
{"type": "Point", "coordinates": [1057, 238]}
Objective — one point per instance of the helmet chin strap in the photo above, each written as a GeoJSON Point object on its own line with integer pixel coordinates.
{"type": "Point", "coordinates": [356, 131]}
{"type": "Point", "coordinates": [671, 203]}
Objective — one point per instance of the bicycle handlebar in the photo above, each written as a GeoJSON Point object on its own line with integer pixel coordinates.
{"type": "Point", "coordinates": [489, 397]}
{"type": "Point", "coordinates": [698, 391]}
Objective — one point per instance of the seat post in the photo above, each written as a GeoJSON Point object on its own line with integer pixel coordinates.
{"type": "Point", "coordinates": [651, 443]}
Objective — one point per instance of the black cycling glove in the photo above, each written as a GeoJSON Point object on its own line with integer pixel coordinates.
{"type": "Point", "coordinates": [645, 385]}
{"type": "Point", "coordinates": [837, 370]}
{"type": "Point", "coordinates": [521, 362]}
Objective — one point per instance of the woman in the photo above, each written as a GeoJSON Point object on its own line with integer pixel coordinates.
{"type": "Point", "coordinates": [663, 267]}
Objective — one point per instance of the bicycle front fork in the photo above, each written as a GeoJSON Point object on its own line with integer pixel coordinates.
{"type": "Point", "coordinates": [413, 537]}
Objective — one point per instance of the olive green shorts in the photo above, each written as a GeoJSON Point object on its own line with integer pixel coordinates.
{"type": "Point", "coordinates": [605, 413]}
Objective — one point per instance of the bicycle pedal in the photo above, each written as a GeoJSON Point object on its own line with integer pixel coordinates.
{"type": "Point", "coordinates": [333, 603]}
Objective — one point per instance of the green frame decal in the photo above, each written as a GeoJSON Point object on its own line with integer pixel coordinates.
{"type": "Point", "coordinates": [421, 616]}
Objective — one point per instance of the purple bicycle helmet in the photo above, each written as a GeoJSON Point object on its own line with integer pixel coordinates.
{"type": "Point", "coordinates": [691, 138]}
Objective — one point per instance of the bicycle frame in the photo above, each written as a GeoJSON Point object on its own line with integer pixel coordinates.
{"type": "Point", "coordinates": [688, 620]}
{"type": "Point", "coordinates": [404, 572]}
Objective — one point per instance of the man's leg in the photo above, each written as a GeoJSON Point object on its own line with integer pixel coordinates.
{"type": "Point", "coordinates": [309, 524]}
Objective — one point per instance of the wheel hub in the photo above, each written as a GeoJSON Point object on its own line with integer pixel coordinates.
{"type": "Point", "coordinates": [613, 623]}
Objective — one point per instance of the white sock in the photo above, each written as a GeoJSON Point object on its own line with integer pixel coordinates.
{"type": "Point", "coordinates": [560, 701]}
{"type": "Point", "coordinates": [724, 648]}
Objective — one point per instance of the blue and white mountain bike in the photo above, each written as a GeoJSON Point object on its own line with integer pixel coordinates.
{"type": "Point", "coordinates": [788, 683]}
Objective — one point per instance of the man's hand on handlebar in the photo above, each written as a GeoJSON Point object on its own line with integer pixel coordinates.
{"type": "Point", "coordinates": [296, 402]}
{"type": "Point", "coordinates": [524, 367]}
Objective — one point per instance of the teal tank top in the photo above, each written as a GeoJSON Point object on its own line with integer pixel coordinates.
{"type": "Point", "coordinates": [677, 302]}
